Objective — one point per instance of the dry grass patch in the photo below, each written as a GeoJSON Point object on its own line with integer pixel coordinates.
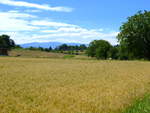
{"type": "Point", "coordinates": [30, 85]}
{"type": "Point", "coordinates": [34, 54]}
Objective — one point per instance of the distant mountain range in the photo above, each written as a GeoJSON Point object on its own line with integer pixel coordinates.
{"type": "Point", "coordinates": [47, 44]}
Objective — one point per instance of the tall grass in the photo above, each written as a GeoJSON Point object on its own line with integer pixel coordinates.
{"type": "Point", "coordinates": [30, 85]}
{"type": "Point", "coordinates": [140, 106]}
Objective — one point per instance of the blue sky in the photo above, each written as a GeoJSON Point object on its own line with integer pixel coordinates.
{"type": "Point", "coordinates": [65, 21]}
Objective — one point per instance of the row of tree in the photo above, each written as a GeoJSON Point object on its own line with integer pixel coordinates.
{"type": "Point", "coordinates": [7, 44]}
{"type": "Point", "coordinates": [62, 48]}
{"type": "Point", "coordinates": [134, 41]}
{"type": "Point", "coordinates": [65, 47]}
{"type": "Point", "coordinates": [40, 49]}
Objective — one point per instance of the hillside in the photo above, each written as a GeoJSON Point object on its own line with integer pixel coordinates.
{"type": "Point", "coordinates": [42, 54]}
{"type": "Point", "coordinates": [34, 54]}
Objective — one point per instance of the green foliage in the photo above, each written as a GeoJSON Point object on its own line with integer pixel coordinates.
{"type": "Point", "coordinates": [65, 47]}
{"type": "Point", "coordinates": [40, 49]}
{"type": "Point", "coordinates": [140, 106]}
{"type": "Point", "coordinates": [134, 37]}
{"type": "Point", "coordinates": [82, 47]}
{"type": "Point", "coordinates": [69, 56]}
{"type": "Point", "coordinates": [17, 47]}
{"type": "Point", "coordinates": [50, 48]}
{"type": "Point", "coordinates": [114, 52]}
{"type": "Point", "coordinates": [99, 49]}
{"type": "Point", "coordinates": [6, 42]}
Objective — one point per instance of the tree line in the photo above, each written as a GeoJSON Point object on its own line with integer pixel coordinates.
{"type": "Point", "coordinates": [64, 48]}
{"type": "Point", "coordinates": [133, 42]}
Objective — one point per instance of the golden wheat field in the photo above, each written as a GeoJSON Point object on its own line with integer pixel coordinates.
{"type": "Point", "coordinates": [36, 85]}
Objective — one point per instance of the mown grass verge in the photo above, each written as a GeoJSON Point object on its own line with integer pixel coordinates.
{"type": "Point", "coordinates": [69, 56]}
{"type": "Point", "coordinates": [140, 106]}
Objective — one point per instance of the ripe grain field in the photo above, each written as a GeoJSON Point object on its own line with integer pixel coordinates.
{"type": "Point", "coordinates": [36, 85]}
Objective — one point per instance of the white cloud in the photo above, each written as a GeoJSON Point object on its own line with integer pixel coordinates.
{"type": "Point", "coordinates": [14, 21]}
{"type": "Point", "coordinates": [78, 34]}
{"type": "Point", "coordinates": [33, 11]}
{"type": "Point", "coordinates": [19, 37]}
{"type": "Point", "coordinates": [50, 23]}
{"type": "Point", "coordinates": [25, 28]}
{"type": "Point", "coordinates": [81, 36]}
{"type": "Point", "coordinates": [17, 14]}
{"type": "Point", "coordinates": [70, 29]}
{"type": "Point", "coordinates": [33, 5]}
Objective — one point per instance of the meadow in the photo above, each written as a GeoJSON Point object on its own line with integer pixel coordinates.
{"type": "Point", "coordinates": [42, 85]}
{"type": "Point", "coordinates": [34, 54]}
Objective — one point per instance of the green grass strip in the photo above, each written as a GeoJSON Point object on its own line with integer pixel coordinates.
{"type": "Point", "coordinates": [140, 106]}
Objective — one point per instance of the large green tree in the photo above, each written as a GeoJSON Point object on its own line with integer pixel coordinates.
{"type": "Point", "coordinates": [134, 37]}
{"type": "Point", "coordinates": [99, 49]}
{"type": "Point", "coordinates": [114, 52]}
{"type": "Point", "coordinates": [6, 42]}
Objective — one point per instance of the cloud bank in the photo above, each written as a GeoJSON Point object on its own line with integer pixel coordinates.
{"type": "Point", "coordinates": [37, 6]}
{"type": "Point", "coordinates": [26, 28]}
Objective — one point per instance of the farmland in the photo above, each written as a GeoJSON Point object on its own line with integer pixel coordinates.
{"type": "Point", "coordinates": [34, 54]}
{"type": "Point", "coordinates": [42, 85]}
{"type": "Point", "coordinates": [41, 54]}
